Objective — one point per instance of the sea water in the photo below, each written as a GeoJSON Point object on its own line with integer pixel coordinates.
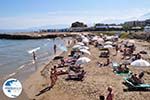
{"type": "Point", "coordinates": [15, 56]}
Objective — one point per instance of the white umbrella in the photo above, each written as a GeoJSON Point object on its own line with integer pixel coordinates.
{"type": "Point", "coordinates": [76, 46]}
{"type": "Point", "coordinates": [109, 42]}
{"type": "Point", "coordinates": [108, 46]}
{"type": "Point", "coordinates": [83, 60]}
{"type": "Point", "coordinates": [80, 47]}
{"type": "Point", "coordinates": [85, 51]}
{"type": "Point", "coordinates": [84, 47]}
{"type": "Point", "coordinates": [131, 41]}
{"type": "Point", "coordinates": [100, 40]}
{"type": "Point", "coordinates": [109, 38]}
{"type": "Point", "coordinates": [95, 38]}
{"type": "Point", "coordinates": [82, 36]}
{"type": "Point", "coordinates": [85, 40]}
{"type": "Point", "coordinates": [140, 62]}
{"type": "Point", "coordinates": [80, 43]}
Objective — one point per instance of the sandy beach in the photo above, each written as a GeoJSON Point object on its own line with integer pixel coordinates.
{"type": "Point", "coordinates": [95, 82]}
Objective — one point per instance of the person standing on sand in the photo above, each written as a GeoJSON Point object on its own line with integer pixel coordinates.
{"type": "Point", "coordinates": [116, 48]}
{"type": "Point", "coordinates": [124, 53]}
{"type": "Point", "coordinates": [34, 56]}
{"type": "Point", "coordinates": [55, 47]}
{"type": "Point", "coordinates": [110, 95]}
{"type": "Point", "coordinates": [68, 42]}
{"type": "Point", "coordinates": [53, 76]}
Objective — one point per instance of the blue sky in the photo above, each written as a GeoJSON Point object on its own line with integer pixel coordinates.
{"type": "Point", "coordinates": [21, 14]}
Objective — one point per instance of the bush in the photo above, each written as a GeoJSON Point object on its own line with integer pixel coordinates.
{"type": "Point", "coordinates": [106, 33]}
{"type": "Point", "coordinates": [124, 35]}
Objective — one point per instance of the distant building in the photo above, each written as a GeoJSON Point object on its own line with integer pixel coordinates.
{"type": "Point", "coordinates": [147, 29]}
{"type": "Point", "coordinates": [136, 28]}
{"type": "Point", "coordinates": [100, 26]}
{"type": "Point", "coordinates": [115, 27]}
{"type": "Point", "coordinates": [78, 29]}
{"type": "Point", "coordinates": [135, 23]}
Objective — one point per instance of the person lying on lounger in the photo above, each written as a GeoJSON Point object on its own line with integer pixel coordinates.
{"type": "Point", "coordinates": [62, 63]}
{"type": "Point", "coordinates": [66, 62]}
{"type": "Point", "coordinates": [137, 79]}
{"type": "Point", "coordinates": [76, 76]}
{"type": "Point", "coordinates": [121, 69]}
{"type": "Point", "coordinates": [75, 68]}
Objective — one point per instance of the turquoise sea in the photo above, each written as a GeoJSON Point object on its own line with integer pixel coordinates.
{"type": "Point", "coordinates": [16, 59]}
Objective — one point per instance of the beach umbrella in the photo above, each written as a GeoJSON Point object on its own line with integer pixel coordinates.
{"type": "Point", "coordinates": [83, 60]}
{"type": "Point", "coordinates": [85, 51]}
{"type": "Point", "coordinates": [131, 41]}
{"type": "Point", "coordinates": [80, 47]}
{"type": "Point", "coordinates": [80, 43]}
{"type": "Point", "coordinates": [100, 40]}
{"type": "Point", "coordinates": [84, 47]}
{"type": "Point", "coordinates": [95, 38]}
{"type": "Point", "coordinates": [108, 46]}
{"type": "Point", "coordinates": [85, 40]}
{"type": "Point", "coordinates": [82, 36]}
{"type": "Point", "coordinates": [108, 37]}
{"type": "Point", "coordinates": [109, 42]}
{"type": "Point", "coordinates": [140, 62]}
{"type": "Point", "coordinates": [76, 46]}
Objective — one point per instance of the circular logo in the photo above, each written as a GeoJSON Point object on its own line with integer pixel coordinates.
{"type": "Point", "coordinates": [12, 88]}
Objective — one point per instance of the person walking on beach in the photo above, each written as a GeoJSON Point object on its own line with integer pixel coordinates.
{"type": "Point", "coordinates": [34, 56]}
{"type": "Point", "coordinates": [116, 48]}
{"type": "Point", "coordinates": [69, 42]}
{"type": "Point", "coordinates": [53, 76]}
{"type": "Point", "coordinates": [55, 47]}
{"type": "Point", "coordinates": [124, 53]}
{"type": "Point", "coordinates": [110, 95]}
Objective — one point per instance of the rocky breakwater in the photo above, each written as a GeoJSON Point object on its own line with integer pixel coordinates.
{"type": "Point", "coordinates": [34, 36]}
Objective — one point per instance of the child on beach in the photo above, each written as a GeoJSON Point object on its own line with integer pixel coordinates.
{"type": "Point", "coordinates": [110, 95]}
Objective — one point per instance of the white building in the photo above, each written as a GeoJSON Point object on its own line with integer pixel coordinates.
{"type": "Point", "coordinates": [147, 29]}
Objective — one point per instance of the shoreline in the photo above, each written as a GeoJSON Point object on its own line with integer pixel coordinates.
{"type": "Point", "coordinates": [38, 73]}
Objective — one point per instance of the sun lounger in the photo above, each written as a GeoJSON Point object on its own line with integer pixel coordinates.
{"type": "Point", "coordinates": [115, 65]}
{"type": "Point", "coordinates": [132, 86]}
{"type": "Point", "coordinates": [122, 73]}
{"type": "Point", "coordinates": [76, 76]}
{"type": "Point", "coordinates": [104, 54]}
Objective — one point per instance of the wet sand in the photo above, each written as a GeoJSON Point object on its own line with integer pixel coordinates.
{"type": "Point", "coordinates": [95, 82]}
